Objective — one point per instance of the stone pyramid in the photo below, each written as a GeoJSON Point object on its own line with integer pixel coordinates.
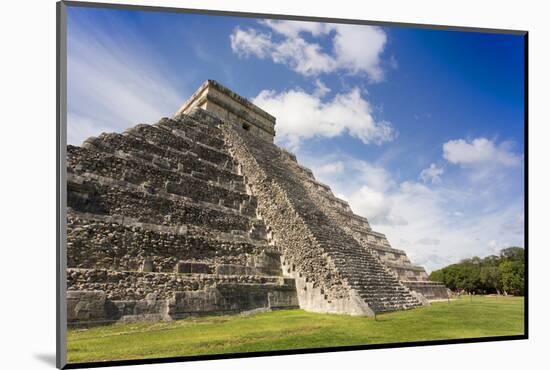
{"type": "Point", "coordinates": [202, 214]}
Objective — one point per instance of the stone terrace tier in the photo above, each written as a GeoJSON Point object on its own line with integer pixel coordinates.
{"type": "Point", "coordinates": [124, 244]}
{"type": "Point", "coordinates": [98, 296]}
{"type": "Point", "coordinates": [138, 172]}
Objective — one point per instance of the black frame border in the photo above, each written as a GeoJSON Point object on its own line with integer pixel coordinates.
{"type": "Point", "coordinates": [61, 127]}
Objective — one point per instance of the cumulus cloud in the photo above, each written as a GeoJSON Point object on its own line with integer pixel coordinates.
{"type": "Point", "coordinates": [375, 205]}
{"type": "Point", "coordinates": [431, 174]}
{"type": "Point", "coordinates": [113, 84]}
{"type": "Point", "coordinates": [480, 151]}
{"type": "Point", "coordinates": [356, 49]}
{"type": "Point", "coordinates": [425, 220]}
{"type": "Point", "coordinates": [374, 176]}
{"type": "Point", "coordinates": [249, 42]}
{"type": "Point", "coordinates": [349, 174]}
{"type": "Point", "coordinates": [303, 116]}
{"type": "Point", "coordinates": [330, 168]}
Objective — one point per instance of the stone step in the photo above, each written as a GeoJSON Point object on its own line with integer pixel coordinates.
{"type": "Point", "coordinates": [204, 118]}
{"type": "Point", "coordinates": [97, 243]}
{"type": "Point", "coordinates": [105, 197]}
{"type": "Point", "coordinates": [385, 295]}
{"type": "Point", "coordinates": [190, 128]}
{"type": "Point", "coordinates": [160, 136]}
{"type": "Point", "coordinates": [167, 157]}
{"type": "Point", "coordinates": [273, 268]}
{"type": "Point", "coordinates": [200, 124]}
{"type": "Point", "coordinates": [136, 285]}
{"type": "Point", "coordinates": [81, 160]}
{"type": "Point", "coordinates": [233, 236]}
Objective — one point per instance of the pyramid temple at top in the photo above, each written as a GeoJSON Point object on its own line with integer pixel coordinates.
{"type": "Point", "coordinates": [202, 214]}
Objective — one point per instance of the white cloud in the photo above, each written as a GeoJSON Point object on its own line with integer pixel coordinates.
{"type": "Point", "coordinates": [480, 151]}
{"type": "Point", "coordinates": [249, 42]}
{"type": "Point", "coordinates": [374, 176]}
{"type": "Point", "coordinates": [320, 88]}
{"type": "Point", "coordinates": [431, 174]}
{"type": "Point", "coordinates": [112, 85]}
{"type": "Point", "coordinates": [373, 204]}
{"type": "Point", "coordinates": [349, 174]}
{"type": "Point", "coordinates": [303, 116]}
{"type": "Point", "coordinates": [428, 222]}
{"type": "Point", "coordinates": [358, 49]}
{"type": "Point", "coordinates": [303, 57]}
{"type": "Point", "coordinates": [330, 168]}
{"type": "Point", "coordinates": [426, 211]}
{"type": "Point", "coordinates": [355, 49]}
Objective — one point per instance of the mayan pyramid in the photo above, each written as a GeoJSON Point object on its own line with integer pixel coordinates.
{"type": "Point", "coordinates": [202, 214]}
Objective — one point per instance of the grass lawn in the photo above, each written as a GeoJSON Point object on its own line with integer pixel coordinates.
{"type": "Point", "coordinates": [296, 329]}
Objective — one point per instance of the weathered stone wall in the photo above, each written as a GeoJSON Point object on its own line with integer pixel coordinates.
{"type": "Point", "coordinates": [92, 307]}
{"type": "Point", "coordinates": [110, 197]}
{"type": "Point", "coordinates": [161, 227]}
{"type": "Point", "coordinates": [231, 108]}
{"type": "Point", "coordinates": [97, 243]}
{"type": "Point", "coordinates": [129, 285]}
{"type": "Point", "coordinates": [431, 290]}
{"type": "Point", "coordinates": [82, 161]}
{"type": "Point", "coordinates": [181, 161]}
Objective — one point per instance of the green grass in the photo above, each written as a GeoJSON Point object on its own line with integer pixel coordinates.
{"type": "Point", "coordinates": [296, 329]}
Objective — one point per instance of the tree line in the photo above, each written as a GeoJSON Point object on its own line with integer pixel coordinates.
{"type": "Point", "coordinates": [502, 274]}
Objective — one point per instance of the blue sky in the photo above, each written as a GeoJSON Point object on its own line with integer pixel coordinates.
{"type": "Point", "coordinates": [422, 131]}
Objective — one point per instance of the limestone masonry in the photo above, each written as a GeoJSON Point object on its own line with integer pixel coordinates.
{"type": "Point", "coordinates": [202, 214]}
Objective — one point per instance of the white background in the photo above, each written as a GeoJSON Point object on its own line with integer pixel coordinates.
{"type": "Point", "coordinates": [27, 182]}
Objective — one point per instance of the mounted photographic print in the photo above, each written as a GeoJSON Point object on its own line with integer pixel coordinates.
{"type": "Point", "coordinates": [234, 184]}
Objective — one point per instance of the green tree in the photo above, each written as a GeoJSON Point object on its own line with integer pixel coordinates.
{"type": "Point", "coordinates": [512, 277]}
{"type": "Point", "coordinates": [492, 274]}
{"type": "Point", "coordinates": [490, 278]}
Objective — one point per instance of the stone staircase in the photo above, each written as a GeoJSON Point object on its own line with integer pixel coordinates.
{"type": "Point", "coordinates": [347, 264]}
